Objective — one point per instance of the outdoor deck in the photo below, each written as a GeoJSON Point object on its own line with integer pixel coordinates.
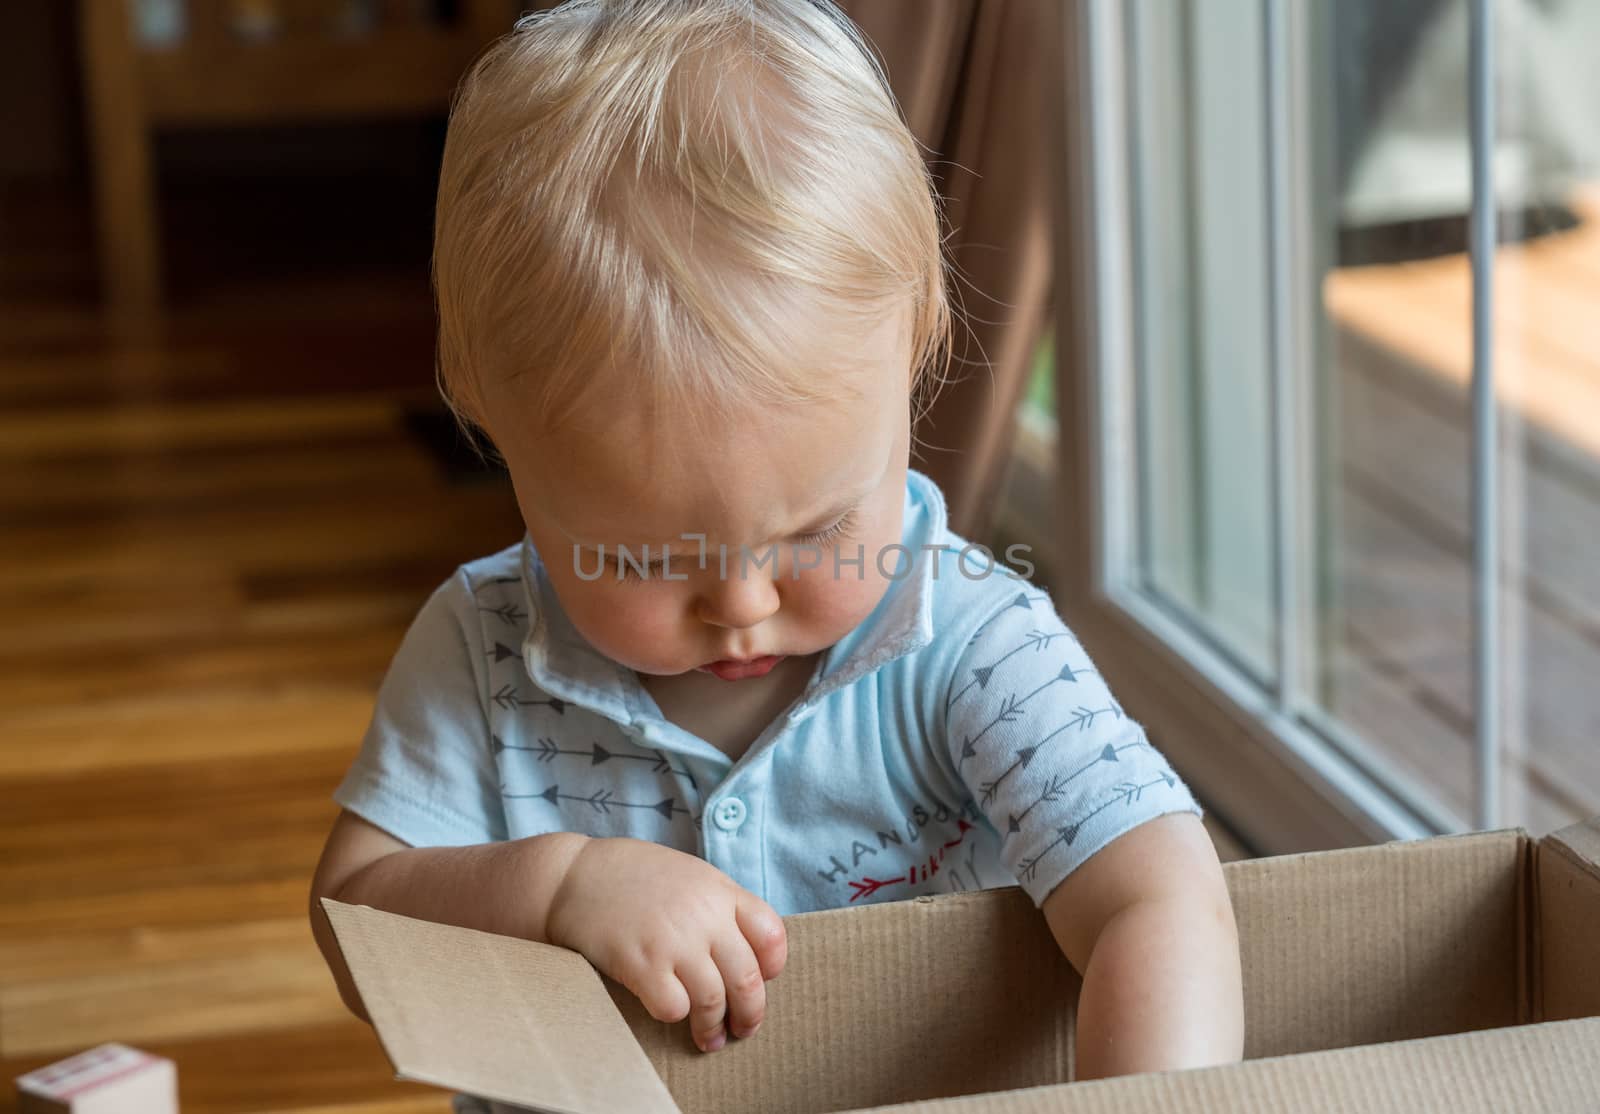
{"type": "Point", "coordinates": [1402, 673]}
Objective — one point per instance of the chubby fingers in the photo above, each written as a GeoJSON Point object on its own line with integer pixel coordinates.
{"type": "Point", "coordinates": [763, 929]}
{"type": "Point", "coordinates": [746, 987]}
{"type": "Point", "coordinates": [728, 997]}
{"type": "Point", "coordinates": [658, 989]}
{"type": "Point", "coordinates": [708, 1001]}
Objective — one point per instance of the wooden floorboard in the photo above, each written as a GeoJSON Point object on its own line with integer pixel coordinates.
{"type": "Point", "coordinates": [335, 1067]}
{"type": "Point", "coordinates": [1547, 337]}
{"type": "Point", "coordinates": [1401, 555]}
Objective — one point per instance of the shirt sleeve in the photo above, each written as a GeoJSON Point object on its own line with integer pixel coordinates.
{"type": "Point", "coordinates": [426, 771]}
{"type": "Point", "coordinates": [1049, 756]}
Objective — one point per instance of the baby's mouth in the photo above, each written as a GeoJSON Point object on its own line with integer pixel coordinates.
{"type": "Point", "coordinates": [741, 670]}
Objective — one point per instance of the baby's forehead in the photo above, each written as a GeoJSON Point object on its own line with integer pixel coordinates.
{"type": "Point", "coordinates": [637, 448]}
{"type": "Point", "coordinates": [755, 472]}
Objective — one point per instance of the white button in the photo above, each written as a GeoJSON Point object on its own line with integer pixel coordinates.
{"type": "Point", "coordinates": [728, 814]}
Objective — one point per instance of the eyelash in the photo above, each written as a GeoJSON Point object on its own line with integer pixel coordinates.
{"type": "Point", "coordinates": [840, 529]}
{"type": "Point", "coordinates": [833, 533]}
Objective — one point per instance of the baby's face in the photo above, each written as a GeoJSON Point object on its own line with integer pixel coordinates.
{"type": "Point", "coordinates": [792, 488]}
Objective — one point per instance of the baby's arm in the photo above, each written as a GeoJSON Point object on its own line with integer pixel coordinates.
{"type": "Point", "coordinates": [674, 930]}
{"type": "Point", "coordinates": [424, 834]}
{"type": "Point", "coordinates": [1103, 836]}
{"type": "Point", "coordinates": [495, 887]}
{"type": "Point", "coordinates": [1148, 922]}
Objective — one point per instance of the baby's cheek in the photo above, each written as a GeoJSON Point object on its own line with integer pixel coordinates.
{"type": "Point", "coordinates": [626, 623]}
{"type": "Point", "coordinates": [837, 603]}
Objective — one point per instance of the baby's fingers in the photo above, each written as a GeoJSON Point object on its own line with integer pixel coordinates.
{"type": "Point", "coordinates": [763, 928]}
{"type": "Point", "coordinates": [747, 990]}
{"type": "Point", "coordinates": [660, 992]}
{"type": "Point", "coordinates": [708, 1001]}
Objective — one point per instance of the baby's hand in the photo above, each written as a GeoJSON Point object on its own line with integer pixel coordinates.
{"type": "Point", "coordinates": [673, 929]}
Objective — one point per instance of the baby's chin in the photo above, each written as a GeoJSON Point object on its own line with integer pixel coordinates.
{"type": "Point", "coordinates": [656, 667]}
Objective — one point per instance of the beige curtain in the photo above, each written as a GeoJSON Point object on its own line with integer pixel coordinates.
{"type": "Point", "coordinates": [972, 77]}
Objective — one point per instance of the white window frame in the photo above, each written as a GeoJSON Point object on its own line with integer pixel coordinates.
{"type": "Point", "coordinates": [1285, 777]}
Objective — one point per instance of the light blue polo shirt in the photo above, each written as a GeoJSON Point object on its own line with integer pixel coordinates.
{"type": "Point", "coordinates": [959, 738]}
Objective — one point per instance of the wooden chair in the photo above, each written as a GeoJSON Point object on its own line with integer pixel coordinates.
{"type": "Point", "coordinates": [247, 62]}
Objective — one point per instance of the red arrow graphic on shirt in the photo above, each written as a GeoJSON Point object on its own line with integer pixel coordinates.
{"type": "Point", "coordinates": [919, 872]}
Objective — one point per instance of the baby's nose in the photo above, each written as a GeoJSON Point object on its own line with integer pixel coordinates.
{"type": "Point", "coordinates": [738, 601]}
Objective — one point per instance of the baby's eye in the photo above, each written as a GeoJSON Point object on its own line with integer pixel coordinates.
{"type": "Point", "coordinates": [627, 571]}
{"type": "Point", "coordinates": [833, 533]}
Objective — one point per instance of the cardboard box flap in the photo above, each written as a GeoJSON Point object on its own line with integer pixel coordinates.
{"type": "Point", "coordinates": [1548, 1068]}
{"type": "Point", "coordinates": [1579, 842]}
{"type": "Point", "coordinates": [1568, 918]}
{"type": "Point", "coordinates": [950, 995]}
{"type": "Point", "coordinates": [1395, 941]}
{"type": "Point", "coordinates": [494, 1016]}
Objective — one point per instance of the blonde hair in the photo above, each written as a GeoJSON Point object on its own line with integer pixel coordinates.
{"type": "Point", "coordinates": [719, 196]}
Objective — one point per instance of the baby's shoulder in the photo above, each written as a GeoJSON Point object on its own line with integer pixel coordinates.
{"type": "Point", "coordinates": [500, 571]}
{"type": "Point", "coordinates": [485, 599]}
{"type": "Point", "coordinates": [974, 587]}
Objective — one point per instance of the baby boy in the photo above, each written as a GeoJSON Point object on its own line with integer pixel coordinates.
{"type": "Point", "coordinates": [690, 287]}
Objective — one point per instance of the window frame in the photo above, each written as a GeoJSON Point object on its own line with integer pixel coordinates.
{"type": "Point", "coordinates": [1284, 777]}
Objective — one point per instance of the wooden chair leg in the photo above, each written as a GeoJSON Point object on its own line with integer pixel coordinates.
{"type": "Point", "coordinates": [119, 139]}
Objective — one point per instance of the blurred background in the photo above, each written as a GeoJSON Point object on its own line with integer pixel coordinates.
{"type": "Point", "coordinates": [1216, 372]}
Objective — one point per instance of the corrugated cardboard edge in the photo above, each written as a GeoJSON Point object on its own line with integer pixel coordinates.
{"type": "Point", "coordinates": [1569, 912]}
{"type": "Point", "coordinates": [1530, 986]}
{"type": "Point", "coordinates": [1579, 843]}
{"type": "Point", "coordinates": [1547, 1068]}
{"type": "Point", "coordinates": [459, 1023]}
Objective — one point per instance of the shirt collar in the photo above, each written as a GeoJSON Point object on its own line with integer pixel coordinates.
{"type": "Point", "coordinates": [563, 663]}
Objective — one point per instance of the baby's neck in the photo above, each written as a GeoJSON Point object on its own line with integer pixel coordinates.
{"type": "Point", "coordinates": [730, 715]}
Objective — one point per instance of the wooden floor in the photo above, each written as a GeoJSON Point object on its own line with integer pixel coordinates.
{"type": "Point", "coordinates": [1401, 653]}
{"type": "Point", "coordinates": [213, 543]}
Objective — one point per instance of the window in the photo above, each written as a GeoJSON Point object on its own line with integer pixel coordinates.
{"type": "Point", "coordinates": [1351, 611]}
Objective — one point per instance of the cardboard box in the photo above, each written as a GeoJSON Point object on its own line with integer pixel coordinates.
{"type": "Point", "coordinates": [1424, 976]}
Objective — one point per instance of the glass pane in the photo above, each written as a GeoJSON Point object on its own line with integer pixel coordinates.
{"type": "Point", "coordinates": [1395, 587]}
{"type": "Point", "coordinates": [1547, 281]}
{"type": "Point", "coordinates": [1379, 156]}
{"type": "Point", "coordinates": [1201, 354]}
{"type": "Point", "coordinates": [1396, 545]}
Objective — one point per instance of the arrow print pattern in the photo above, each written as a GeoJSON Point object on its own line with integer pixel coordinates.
{"type": "Point", "coordinates": [1039, 738]}
{"type": "Point", "coordinates": [1011, 708]}
{"type": "Point", "coordinates": [506, 697]}
{"type": "Point", "coordinates": [1082, 719]}
{"type": "Point", "coordinates": [601, 801]}
{"type": "Point", "coordinates": [547, 750]}
{"type": "Point", "coordinates": [1127, 793]}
